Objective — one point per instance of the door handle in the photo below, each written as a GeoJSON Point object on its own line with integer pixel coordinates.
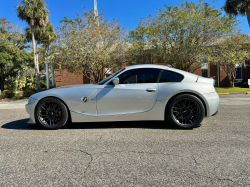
{"type": "Point", "coordinates": [150, 89]}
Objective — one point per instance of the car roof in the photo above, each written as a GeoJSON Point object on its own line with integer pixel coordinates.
{"type": "Point", "coordinates": [147, 66]}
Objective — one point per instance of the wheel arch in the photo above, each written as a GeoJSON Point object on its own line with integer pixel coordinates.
{"type": "Point", "coordinates": [69, 114]}
{"type": "Point", "coordinates": [190, 93]}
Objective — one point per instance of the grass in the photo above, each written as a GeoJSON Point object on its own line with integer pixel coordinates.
{"type": "Point", "coordinates": [231, 90]}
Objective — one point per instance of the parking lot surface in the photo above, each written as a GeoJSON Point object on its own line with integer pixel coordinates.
{"type": "Point", "coordinates": [127, 153]}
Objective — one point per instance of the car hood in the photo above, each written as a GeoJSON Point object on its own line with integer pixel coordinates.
{"type": "Point", "coordinates": [59, 90]}
{"type": "Point", "coordinates": [76, 85]}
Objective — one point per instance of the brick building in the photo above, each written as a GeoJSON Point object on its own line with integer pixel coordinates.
{"type": "Point", "coordinates": [63, 78]}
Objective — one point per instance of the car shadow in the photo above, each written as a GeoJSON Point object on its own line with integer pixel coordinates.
{"type": "Point", "coordinates": [20, 125]}
{"type": "Point", "coordinates": [23, 125]}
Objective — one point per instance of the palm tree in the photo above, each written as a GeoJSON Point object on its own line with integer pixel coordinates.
{"type": "Point", "coordinates": [34, 12]}
{"type": "Point", "coordinates": [238, 7]}
{"type": "Point", "coordinates": [48, 35]}
{"type": "Point", "coordinates": [43, 36]}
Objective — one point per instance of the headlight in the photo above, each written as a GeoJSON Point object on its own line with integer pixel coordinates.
{"type": "Point", "coordinates": [31, 100]}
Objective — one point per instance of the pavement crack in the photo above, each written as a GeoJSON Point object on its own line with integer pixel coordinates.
{"type": "Point", "coordinates": [212, 178]}
{"type": "Point", "coordinates": [91, 160]}
{"type": "Point", "coordinates": [140, 152]}
{"type": "Point", "coordinates": [196, 163]}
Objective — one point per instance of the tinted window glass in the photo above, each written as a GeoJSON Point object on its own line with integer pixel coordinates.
{"type": "Point", "coordinates": [144, 75]}
{"type": "Point", "coordinates": [110, 77]}
{"type": "Point", "coordinates": [169, 76]}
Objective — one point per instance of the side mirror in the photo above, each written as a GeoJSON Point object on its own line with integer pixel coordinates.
{"type": "Point", "coordinates": [115, 81]}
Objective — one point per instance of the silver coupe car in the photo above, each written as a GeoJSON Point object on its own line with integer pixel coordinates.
{"type": "Point", "coordinates": [140, 92]}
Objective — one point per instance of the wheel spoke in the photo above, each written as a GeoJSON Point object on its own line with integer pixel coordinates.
{"type": "Point", "coordinates": [49, 114]}
{"type": "Point", "coordinates": [186, 111]}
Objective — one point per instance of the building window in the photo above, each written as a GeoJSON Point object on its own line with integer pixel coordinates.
{"type": "Point", "coordinates": [108, 72]}
{"type": "Point", "coordinates": [204, 66]}
{"type": "Point", "coordinates": [238, 70]}
{"type": "Point", "coordinates": [204, 72]}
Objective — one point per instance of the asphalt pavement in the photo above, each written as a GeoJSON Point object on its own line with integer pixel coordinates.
{"type": "Point", "coordinates": [127, 153]}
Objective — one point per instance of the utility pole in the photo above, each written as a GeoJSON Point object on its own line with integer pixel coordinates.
{"type": "Point", "coordinates": [96, 10]}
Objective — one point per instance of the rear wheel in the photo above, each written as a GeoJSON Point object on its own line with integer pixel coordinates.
{"type": "Point", "coordinates": [51, 113]}
{"type": "Point", "coordinates": [185, 111]}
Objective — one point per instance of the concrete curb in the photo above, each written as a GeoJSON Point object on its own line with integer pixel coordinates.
{"type": "Point", "coordinates": [234, 93]}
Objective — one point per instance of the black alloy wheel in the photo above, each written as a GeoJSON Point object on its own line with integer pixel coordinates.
{"type": "Point", "coordinates": [51, 113]}
{"type": "Point", "coordinates": [185, 111]}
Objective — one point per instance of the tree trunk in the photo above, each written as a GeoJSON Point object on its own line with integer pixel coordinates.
{"type": "Point", "coordinates": [1, 84]}
{"type": "Point", "coordinates": [248, 15]}
{"type": "Point", "coordinates": [38, 88]}
{"type": "Point", "coordinates": [37, 61]}
{"type": "Point", "coordinates": [230, 80]}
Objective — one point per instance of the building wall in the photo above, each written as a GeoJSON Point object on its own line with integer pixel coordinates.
{"type": "Point", "coordinates": [246, 71]}
{"type": "Point", "coordinates": [197, 71]}
{"type": "Point", "coordinates": [63, 78]}
{"type": "Point", "coordinates": [213, 73]}
{"type": "Point", "coordinates": [224, 80]}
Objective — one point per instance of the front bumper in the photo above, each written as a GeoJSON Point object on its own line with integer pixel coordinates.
{"type": "Point", "coordinates": [30, 109]}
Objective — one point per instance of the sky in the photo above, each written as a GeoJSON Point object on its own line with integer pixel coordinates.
{"type": "Point", "coordinates": [128, 12]}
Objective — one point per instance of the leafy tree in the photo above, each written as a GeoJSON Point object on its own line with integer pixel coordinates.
{"type": "Point", "coordinates": [238, 7]}
{"type": "Point", "coordinates": [178, 35]}
{"type": "Point", "coordinates": [85, 45]}
{"type": "Point", "coordinates": [13, 51]}
{"type": "Point", "coordinates": [34, 12]}
{"type": "Point", "coordinates": [20, 82]}
{"type": "Point", "coordinates": [229, 52]}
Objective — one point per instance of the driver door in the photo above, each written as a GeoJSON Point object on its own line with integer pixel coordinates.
{"type": "Point", "coordinates": [136, 92]}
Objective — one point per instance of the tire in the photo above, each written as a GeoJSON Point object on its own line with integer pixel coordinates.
{"type": "Point", "coordinates": [185, 111]}
{"type": "Point", "coordinates": [51, 113]}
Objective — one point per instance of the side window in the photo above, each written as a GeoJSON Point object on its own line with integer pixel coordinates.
{"type": "Point", "coordinates": [142, 75]}
{"type": "Point", "coordinates": [169, 76]}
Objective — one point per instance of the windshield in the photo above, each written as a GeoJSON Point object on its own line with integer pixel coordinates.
{"type": "Point", "coordinates": [109, 77]}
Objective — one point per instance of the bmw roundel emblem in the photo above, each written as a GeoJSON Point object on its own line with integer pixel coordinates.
{"type": "Point", "coordinates": [84, 99]}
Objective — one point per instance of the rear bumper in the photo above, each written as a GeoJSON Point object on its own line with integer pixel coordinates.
{"type": "Point", "coordinates": [213, 102]}
{"type": "Point", "coordinates": [215, 113]}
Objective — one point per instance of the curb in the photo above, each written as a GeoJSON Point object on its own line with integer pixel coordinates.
{"type": "Point", "coordinates": [234, 93]}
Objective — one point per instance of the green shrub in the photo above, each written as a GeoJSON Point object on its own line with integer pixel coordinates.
{"type": "Point", "coordinates": [2, 96]}
{"type": "Point", "coordinates": [9, 94]}
{"type": "Point", "coordinates": [28, 92]}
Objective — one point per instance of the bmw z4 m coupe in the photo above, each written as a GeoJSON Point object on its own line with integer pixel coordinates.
{"type": "Point", "coordinates": [140, 92]}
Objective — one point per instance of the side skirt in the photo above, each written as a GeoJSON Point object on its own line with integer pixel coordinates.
{"type": "Point", "coordinates": [157, 113]}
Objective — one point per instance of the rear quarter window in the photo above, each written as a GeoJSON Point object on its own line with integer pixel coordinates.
{"type": "Point", "coordinates": [169, 76]}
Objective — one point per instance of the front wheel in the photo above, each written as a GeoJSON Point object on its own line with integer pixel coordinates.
{"type": "Point", "coordinates": [185, 111]}
{"type": "Point", "coordinates": [51, 113]}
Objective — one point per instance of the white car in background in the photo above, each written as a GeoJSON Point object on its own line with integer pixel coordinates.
{"type": "Point", "coordinates": [140, 92]}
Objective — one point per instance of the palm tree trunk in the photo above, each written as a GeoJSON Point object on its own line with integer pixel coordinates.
{"type": "Point", "coordinates": [37, 55]}
{"type": "Point", "coordinates": [248, 15]}
{"type": "Point", "coordinates": [38, 88]}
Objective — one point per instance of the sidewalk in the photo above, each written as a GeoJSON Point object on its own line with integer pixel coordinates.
{"type": "Point", "coordinates": [13, 104]}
